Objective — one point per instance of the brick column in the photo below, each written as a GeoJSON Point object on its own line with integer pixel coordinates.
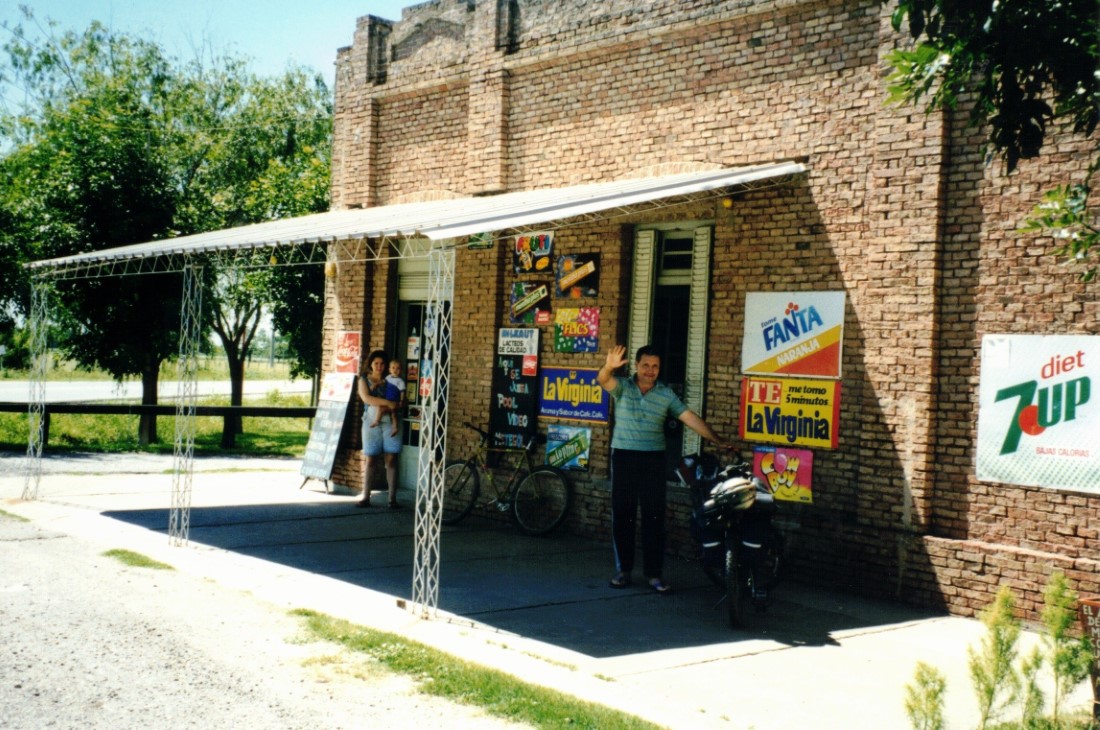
{"type": "Point", "coordinates": [486, 131]}
{"type": "Point", "coordinates": [355, 127]}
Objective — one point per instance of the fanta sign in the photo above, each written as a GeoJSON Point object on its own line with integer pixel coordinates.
{"type": "Point", "coordinates": [1039, 421]}
{"type": "Point", "coordinates": [793, 333]}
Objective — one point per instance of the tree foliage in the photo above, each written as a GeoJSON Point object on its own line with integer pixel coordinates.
{"type": "Point", "coordinates": [88, 170]}
{"type": "Point", "coordinates": [115, 143]}
{"type": "Point", "coordinates": [1025, 65]}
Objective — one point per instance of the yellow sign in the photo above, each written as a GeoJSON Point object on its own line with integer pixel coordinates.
{"type": "Point", "coordinates": [796, 412]}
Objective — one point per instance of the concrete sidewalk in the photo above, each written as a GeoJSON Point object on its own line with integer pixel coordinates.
{"type": "Point", "coordinates": [537, 607]}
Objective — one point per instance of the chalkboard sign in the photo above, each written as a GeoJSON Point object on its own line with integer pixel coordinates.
{"type": "Point", "coordinates": [513, 412]}
{"type": "Point", "coordinates": [332, 408]}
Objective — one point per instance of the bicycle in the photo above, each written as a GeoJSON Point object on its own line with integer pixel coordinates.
{"type": "Point", "coordinates": [537, 497]}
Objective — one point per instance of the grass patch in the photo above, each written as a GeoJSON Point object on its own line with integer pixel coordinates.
{"type": "Point", "coordinates": [455, 679]}
{"type": "Point", "coordinates": [111, 433]}
{"type": "Point", "coordinates": [9, 515]}
{"type": "Point", "coordinates": [137, 560]}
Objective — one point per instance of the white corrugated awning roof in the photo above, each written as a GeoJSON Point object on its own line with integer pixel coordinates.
{"type": "Point", "coordinates": [443, 219]}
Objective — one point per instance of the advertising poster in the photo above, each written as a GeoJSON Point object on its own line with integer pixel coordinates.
{"type": "Point", "coordinates": [513, 418]}
{"type": "Point", "coordinates": [1038, 419]}
{"type": "Point", "coordinates": [347, 352]}
{"type": "Point", "coordinates": [572, 394]}
{"type": "Point", "coordinates": [789, 472]}
{"type": "Point", "coordinates": [480, 241]}
{"type": "Point", "coordinates": [577, 276]}
{"type": "Point", "coordinates": [531, 254]}
{"type": "Point", "coordinates": [576, 330]}
{"type": "Point", "coordinates": [530, 303]}
{"type": "Point", "coordinates": [793, 333]}
{"type": "Point", "coordinates": [328, 423]}
{"type": "Point", "coordinates": [426, 381]}
{"type": "Point", "coordinates": [796, 412]}
{"type": "Point", "coordinates": [567, 446]}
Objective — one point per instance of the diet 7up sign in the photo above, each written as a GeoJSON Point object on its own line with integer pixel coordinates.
{"type": "Point", "coordinates": [1039, 417]}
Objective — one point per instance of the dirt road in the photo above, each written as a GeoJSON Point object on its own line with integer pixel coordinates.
{"type": "Point", "coordinates": [91, 643]}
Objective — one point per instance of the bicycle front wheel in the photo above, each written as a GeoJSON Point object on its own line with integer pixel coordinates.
{"type": "Point", "coordinates": [460, 489]}
{"type": "Point", "coordinates": [541, 500]}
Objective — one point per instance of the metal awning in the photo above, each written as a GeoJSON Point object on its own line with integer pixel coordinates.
{"type": "Point", "coordinates": [441, 219]}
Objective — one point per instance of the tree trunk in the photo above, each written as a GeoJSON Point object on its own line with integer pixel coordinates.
{"type": "Point", "coordinates": [147, 423]}
{"type": "Point", "coordinates": [232, 424]}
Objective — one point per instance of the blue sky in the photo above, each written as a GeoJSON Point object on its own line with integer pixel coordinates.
{"type": "Point", "coordinates": [271, 32]}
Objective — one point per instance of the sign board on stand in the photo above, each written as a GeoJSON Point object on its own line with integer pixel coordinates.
{"type": "Point", "coordinates": [328, 423]}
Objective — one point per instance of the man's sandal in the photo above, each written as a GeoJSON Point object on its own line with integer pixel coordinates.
{"type": "Point", "coordinates": [660, 586]}
{"type": "Point", "coordinates": [621, 580]}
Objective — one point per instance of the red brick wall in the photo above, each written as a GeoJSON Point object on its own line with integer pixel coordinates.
{"type": "Point", "coordinates": [897, 210]}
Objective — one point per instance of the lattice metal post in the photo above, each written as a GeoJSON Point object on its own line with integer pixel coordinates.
{"type": "Point", "coordinates": [179, 519]}
{"type": "Point", "coordinates": [433, 435]}
{"type": "Point", "coordinates": [41, 289]}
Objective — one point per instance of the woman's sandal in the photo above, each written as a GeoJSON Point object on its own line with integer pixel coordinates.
{"type": "Point", "coordinates": [363, 503]}
{"type": "Point", "coordinates": [660, 586]}
{"type": "Point", "coordinates": [621, 580]}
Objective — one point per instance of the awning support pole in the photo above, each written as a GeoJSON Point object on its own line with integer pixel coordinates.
{"type": "Point", "coordinates": [435, 377]}
{"type": "Point", "coordinates": [41, 289]}
{"type": "Point", "coordinates": [179, 519]}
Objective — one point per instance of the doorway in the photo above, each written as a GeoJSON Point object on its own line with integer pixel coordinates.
{"type": "Point", "coordinates": [409, 337]}
{"type": "Point", "coordinates": [408, 333]}
{"type": "Point", "coordinates": [669, 305]}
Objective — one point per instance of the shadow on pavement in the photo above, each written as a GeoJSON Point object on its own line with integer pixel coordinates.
{"type": "Point", "coordinates": [551, 589]}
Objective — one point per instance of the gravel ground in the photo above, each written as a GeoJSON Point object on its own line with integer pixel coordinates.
{"type": "Point", "coordinates": [91, 643]}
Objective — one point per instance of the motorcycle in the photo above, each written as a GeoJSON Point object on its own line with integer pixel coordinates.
{"type": "Point", "coordinates": [731, 523]}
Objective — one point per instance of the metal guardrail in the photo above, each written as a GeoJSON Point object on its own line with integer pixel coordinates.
{"type": "Point", "coordinates": [137, 409]}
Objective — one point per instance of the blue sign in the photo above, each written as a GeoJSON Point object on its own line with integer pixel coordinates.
{"type": "Point", "coordinates": [572, 394]}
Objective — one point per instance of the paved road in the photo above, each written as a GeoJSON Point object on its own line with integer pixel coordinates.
{"type": "Point", "coordinates": [80, 391]}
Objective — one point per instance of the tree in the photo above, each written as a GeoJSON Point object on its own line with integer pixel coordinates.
{"type": "Point", "coordinates": [1027, 64]}
{"type": "Point", "coordinates": [271, 162]}
{"type": "Point", "coordinates": [119, 144]}
{"type": "Point", "coordinates": [300, 316]}
{"type": "Point", "coordinates": [87, 171]}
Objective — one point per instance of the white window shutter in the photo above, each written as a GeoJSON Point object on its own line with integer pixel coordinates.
{"type": "Point", "coordinates": [641, 292]}
{"type": "Point", "coordinates": [697, 332]}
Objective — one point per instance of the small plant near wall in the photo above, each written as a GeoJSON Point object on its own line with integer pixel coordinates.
{"type": "Point", "coordinates": [924, 698]}
{"type": "Point", "coordinates": [996, 682]}
{"type": "Point", "coordinates": [999, 684]}
{"type": "Point", "coordinates": [1069, 655]}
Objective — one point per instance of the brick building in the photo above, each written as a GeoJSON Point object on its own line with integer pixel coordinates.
{"type": "Point", "coordinates": [895, 208]}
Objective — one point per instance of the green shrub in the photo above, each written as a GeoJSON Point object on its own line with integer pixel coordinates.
{"type": "Point", "coordinates": [998, 684]}
{"type": "Point", "coordinates": [924, 698]}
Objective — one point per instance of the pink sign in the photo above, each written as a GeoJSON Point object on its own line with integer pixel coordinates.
{"type": "Point", "coordinates": [788, 472]}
